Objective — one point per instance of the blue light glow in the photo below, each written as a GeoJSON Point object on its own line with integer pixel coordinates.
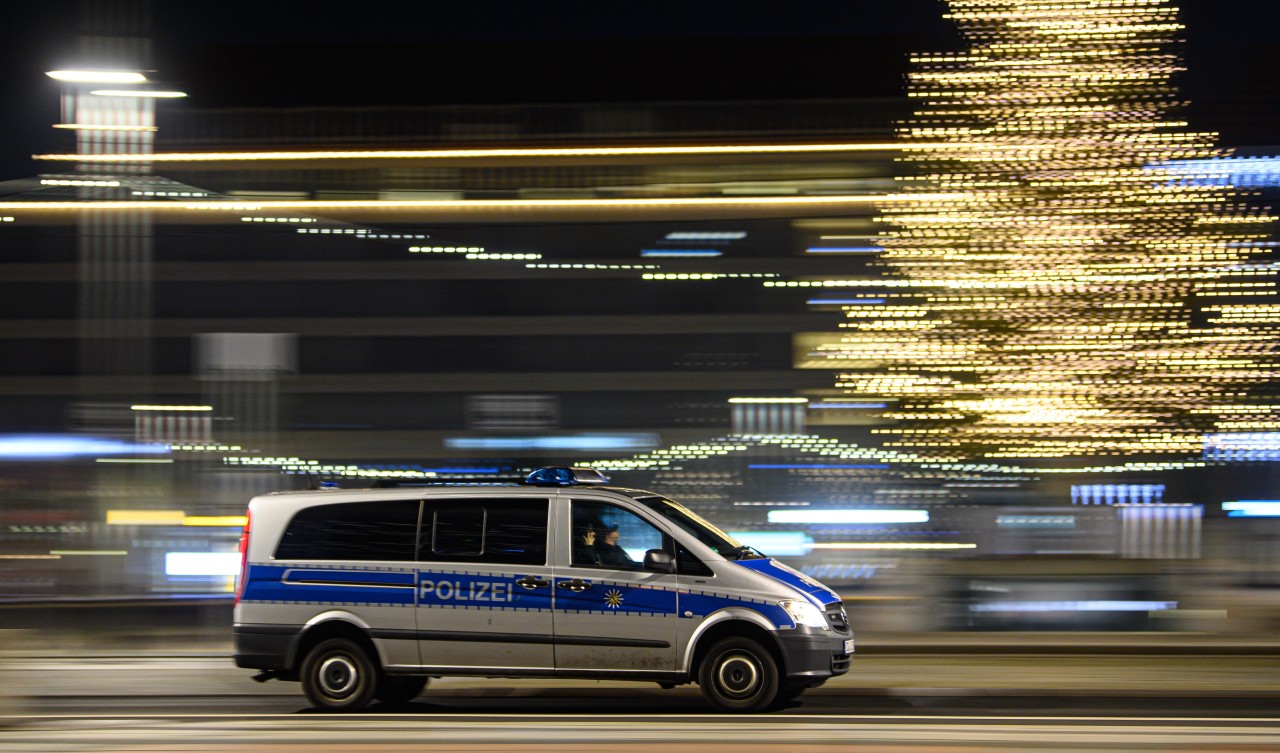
{"type": "Point", "coordinates": [1252, 508]}
{"type": "Point", "coordinates": [1241, 172]}
{"type": "Point", "coordinates": [1100, 605]}
{"type": "Point", "coordinates": [689, 253]}
{"type": "Point", "coordinates": [55, 447]}
{"type": "Point", "coordinates": [843, 301]}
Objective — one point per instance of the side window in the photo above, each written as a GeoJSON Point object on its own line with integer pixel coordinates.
{"type": "Point", "coordinates": [688, 564]}
{"type": "Point", "coordinates": [487, 531]}
{"type": "Point", "coordinates": [352, 531]}
{"type": "Point", "coordinates": [609, 536]}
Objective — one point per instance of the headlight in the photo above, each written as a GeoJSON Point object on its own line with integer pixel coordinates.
{"type": "Point", "coordinates": [804, 613]}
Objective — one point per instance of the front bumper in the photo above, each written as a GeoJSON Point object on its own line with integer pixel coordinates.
{"type": "Point", "coordinates": [814, 655]}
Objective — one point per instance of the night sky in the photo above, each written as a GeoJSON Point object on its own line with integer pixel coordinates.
{"type": "Point", "coordinates": [296, 52]}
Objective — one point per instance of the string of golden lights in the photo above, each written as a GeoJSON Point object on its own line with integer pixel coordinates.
{"type": "Point", "coordinates": [1067, 297]}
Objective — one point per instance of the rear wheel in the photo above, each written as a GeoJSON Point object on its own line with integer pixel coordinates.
{"type": "Point", "coordinates": [739, 674]}
{"type": "Point", "coordinates": [399, 688]}
{"type": "Point", "coordinates": [337, 675]}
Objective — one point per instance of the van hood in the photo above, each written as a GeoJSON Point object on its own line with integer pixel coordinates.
{"type": "Point", "coordinates": [792, 578]}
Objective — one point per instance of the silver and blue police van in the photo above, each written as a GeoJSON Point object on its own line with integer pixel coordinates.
{"type": "Point", "coordinates": [365, 594]}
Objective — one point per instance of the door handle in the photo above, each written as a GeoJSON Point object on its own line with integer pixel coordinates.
{"type": "Point", "coordinates": [530, 582]}
{"type": "Point", "coordinates": [577, 585]}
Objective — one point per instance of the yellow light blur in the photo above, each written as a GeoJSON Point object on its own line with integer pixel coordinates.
{"type": "Point", "coordinates": [146, 407]}
{"type": "Point", "coordinates": [30, 556]}
{"type": "Point", "coordinates": [215, 521]}
{"type": "Point", "coordinates": [1071, 303]}
{"type": "Point", "coordinates": [506, 153]}
{"type": "Point", "coordinates": [145, 517]}
{"type": "Point", "coordinates": [95, 127]}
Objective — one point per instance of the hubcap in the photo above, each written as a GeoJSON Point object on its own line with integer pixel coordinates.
{"type": "Point", "coordinates": [738, 676]}
{"type": "Point", "coordinates": [338, 676]}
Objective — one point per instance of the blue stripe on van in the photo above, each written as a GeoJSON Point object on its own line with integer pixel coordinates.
{"type": "Point", "coordinates": [793, 578]}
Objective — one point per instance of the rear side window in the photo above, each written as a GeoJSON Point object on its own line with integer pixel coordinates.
{"type": "Point", "coordinates": [382, 531]}
{"type": "Point", "coordinates": [488, 531]}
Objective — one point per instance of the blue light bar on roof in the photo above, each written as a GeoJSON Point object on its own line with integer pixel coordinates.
{"type": "Point", "coordinates": [559, 475]}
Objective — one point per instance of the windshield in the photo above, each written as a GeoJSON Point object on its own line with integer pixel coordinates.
{"type": "Point", "coordinates": [688, 520]}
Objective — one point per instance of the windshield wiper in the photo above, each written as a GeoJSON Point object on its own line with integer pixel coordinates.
{"type": "Point", "coordinates": [746, 553]}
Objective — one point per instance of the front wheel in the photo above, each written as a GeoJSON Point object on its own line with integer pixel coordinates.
{"type": "Point", "coordinates": [337, 675]}
{"type": "Point", "coordinates": [739, 675]}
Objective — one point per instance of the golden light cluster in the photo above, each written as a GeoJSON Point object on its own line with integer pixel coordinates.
{"type": "Point", "coordinates": [1067, 296]}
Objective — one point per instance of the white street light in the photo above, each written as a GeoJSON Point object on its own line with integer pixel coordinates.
{"type": "Point", "coordinates": [98, 77]}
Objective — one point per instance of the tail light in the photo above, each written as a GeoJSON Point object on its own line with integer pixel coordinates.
{"type": "Point", "coordinates": [244, 556]}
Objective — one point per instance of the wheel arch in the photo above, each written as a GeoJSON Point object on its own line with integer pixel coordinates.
{"type": "Point", "coordinates": [733, 622]}
{"type": "Point", "coordinates": [337, 624]}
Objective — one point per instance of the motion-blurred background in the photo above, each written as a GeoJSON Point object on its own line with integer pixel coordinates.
{"type": "Point", "coordinates": [958, 307]}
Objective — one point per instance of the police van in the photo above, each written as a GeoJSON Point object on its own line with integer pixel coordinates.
{"type": "Point", "coordinates": [365, 594]}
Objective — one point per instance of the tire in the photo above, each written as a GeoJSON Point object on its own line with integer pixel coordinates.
{"type": "Point", "coordinates": [788, 693]}
{"type": "Point", "coordinates": [337, 675]}
{"type": "Point", "coordinates": [739, 675]}
{"type": "Point", "coordinates": [399, 688]}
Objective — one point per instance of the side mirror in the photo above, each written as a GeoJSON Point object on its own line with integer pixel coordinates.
{"type": "Point", "coordinates": [659, 561]}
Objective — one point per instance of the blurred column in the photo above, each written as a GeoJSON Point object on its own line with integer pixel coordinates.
{"type": "Point", "coordinates": [114, 250]}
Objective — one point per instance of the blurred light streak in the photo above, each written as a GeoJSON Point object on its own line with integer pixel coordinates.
{"type": "Point", "coordinates": [816, 466]}
{"type": "Point", "coordinates": [139, 93]}
{"type": "Point", "coordinates": [135, 461]}
{"type": "Point", "coordinates": [844, 250]}
{"type": "Point", "coordinates": [1101, 605]}
{"type": "Point", "coordinates": [775, 543]}
{"type": "Point", "coordinates": [708, 235]}
{"type": "Point", "coordinates": [769, 400]}
{"type": "Point", "coordinates": [97, 76]}
{"type": "Point", "coordinates": [568, 442]}
{"type": "Point", "coordinates": [94, 127]}
{"type": "Point", "coordinates": [89, 552]}
{"type": "Point", "coordinates": [171, 407]}
{"type": "Point", "coordinates": [852, 516]}
{"type": "Point", "coordinates": [145, 517]}
{"type": "Point", "coordinates": [843, 301]}
{"type": "Point", "coordinates": [1252, 508]}
{"type": "Point", "coordinates": [674, 253]}
{"type": "Point", "coordinates": [310, 205]}
{"type": "Point", "coordinates": [79, 182]}
{"type": "Point", "coordinates": [847, 406]}
{"type": "Point", "coordinates": [215, 521]}
{"type": "Point", "coordinates": [202, 563]}
{"type": "Point", "coordinates": [511, 153]}
{"type": "Point", "coordinates": [30, 556]}
{"type": "Point", "coordinates": [36, 447]}
{"type": "Point", "coordinates": [891, 546]}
